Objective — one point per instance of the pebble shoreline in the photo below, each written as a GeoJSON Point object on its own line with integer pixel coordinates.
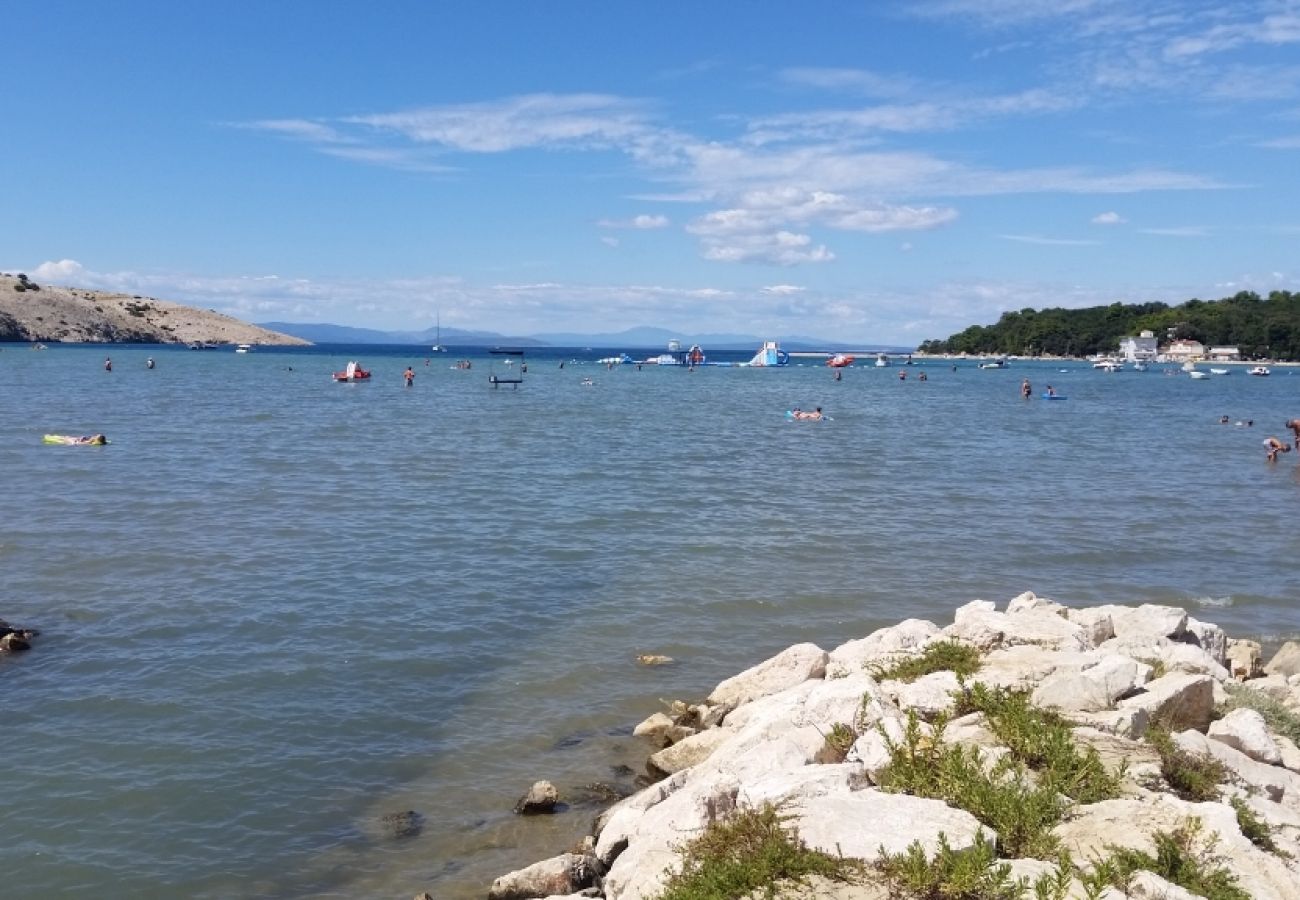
{"type": "Point", "coordinates": [1111, 671]}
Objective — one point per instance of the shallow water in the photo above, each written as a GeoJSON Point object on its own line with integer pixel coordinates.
{"type": "Point", "coordinates": [276, 608]}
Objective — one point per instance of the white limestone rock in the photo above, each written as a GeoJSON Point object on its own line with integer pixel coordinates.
{"type": "Point", "coordinates": [928, 695]}
{"type": "Point", "coordinates": [1210, 638]}
{"type": "Point", "coordinates": [1184, 701]}
{"type": "Point", "coordinates": [1290, 752]}
{"type": "Point", "coordinates": [1030, 601]}
{"type": "Point", "coordinates": [1096, 624]}
{"type": "Point", "coordinates": [1246, 730]}
{"type": "Point", "coordinates": [563, 874]}
{"type": "Point", "coordinates": [1094, 687]}
{"type": "Point", "coordinates": [689, 751]}
{"type": "Point", "coordinates": [1148, 621]}
{"type": "Point", "coordinates": [654, 727]}
{"type": "Point", "coordinates": [1274, 782]}
{"type": "Point", "coordinates": [1286, 661]}
{"type": "Point", "coordinates": [881, 647]}
{"type": "Point", "coordinates": [857, 825]}
{"type": "Point", "coordinates": [789, 667]}
{"type": "Point", "coordinates": [1128, 723]}
{"type": "Point", "coordinates": [1021, 668]}
{"type": "Point", "coordinates": [871, 749]}
{"type": "Point", "coordinates": [989, 630]}
{"type": "Point", "coordinates": [972, 608]}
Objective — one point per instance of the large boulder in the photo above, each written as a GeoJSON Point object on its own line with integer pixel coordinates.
{"type": "Point", "coordinates": [1243, 659]}
{"type": "Point", "coordinates": [1210, 638]}
{"type": "Point", "coordinates": [1246, 730]}
{"type": "Point", "coordinates": [689, 751]}
{"type": "Point", "coordinates": [1178, 701]}
{"type": "Point", "coordinates": [857, 825]}
{"type": "Point", "coordinates": [1147, 621]}
{"type": "Point", "coordinates": [989, 630]}
{"type": "Point", "coordinates": [789, 667]}
{"type": "Point", "coordinates": [1286, 661]}
{"type": "Point", "coordinates": [881, 647]}
{"type": "Point", "coordinates": [1274, 782]}
{"type": "Point", "coordinates": [1096, 624]}
{"type": "Point", "coordinates": [563, 874]}
{"type": "Point", "coordinates": [1093, 687]}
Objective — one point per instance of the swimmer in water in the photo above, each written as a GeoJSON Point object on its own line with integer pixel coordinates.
{"type": "Point", "coordinates": [1275, 447]}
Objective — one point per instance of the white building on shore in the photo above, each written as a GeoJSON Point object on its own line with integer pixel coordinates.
{"type": "Point", "coordinates": [1185, 351]}
{"type": "Point", "coordinates": [1138, 349]}
{"type": "Point", "coordinates": [1224, 354]}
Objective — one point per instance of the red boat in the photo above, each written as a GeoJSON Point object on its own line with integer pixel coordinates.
{"type": "Point", "coordinates": [352, 373]}
{"type": "Point", "coordinates": [840, 360]}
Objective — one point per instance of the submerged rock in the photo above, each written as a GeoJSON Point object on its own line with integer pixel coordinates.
{"type": "Point", "coordinates": [402, 824]}
{"type": "Point", "coordinates": [541, 798]}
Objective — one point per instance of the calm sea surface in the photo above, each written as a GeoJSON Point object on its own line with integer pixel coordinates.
{"type": "Point", "coordinates": [276, 608]}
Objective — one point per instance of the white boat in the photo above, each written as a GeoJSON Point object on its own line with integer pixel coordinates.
{"type": "Point", "coordinates": [1198, 375]}
{"type": "Point", "coordinates": [243, 348]}
{"type": "Point", "coordinates": [1109, 363]}
{"type": "Point", "coordinates": [1261, 371]}
{"type": "Point", "coordinates": [1219, 371]}
{"type": "Point", "coordinates": [1140, 367]}
{"type": "Point", "coordinates": [1189, 366]}
{"type": "Point", "coordinates": [1000, 363]}
{"type": "Point", "coordinates": [619, 360]}
{"type": "Point", "coordinates": [881, 361]}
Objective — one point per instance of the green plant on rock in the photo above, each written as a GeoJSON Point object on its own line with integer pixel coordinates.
{"type": "Point", "coordinates": [1192, 776]}
{"type": "Point", "coordinates": [751, 853]}
{"type": "Point", "coordinates": [970, 874]}
{"type": "Point", "coordinates": [1254, 828]}
{"type": "Point", "coordinates": [1042, 741]}
{"type": "Point", "coordinates": [837, 744]}
{"type": "Point", "coordinates": [1185, 857]}
{"type": "Point", "coordinates": [999, 796]}
{"type": "Point", "coordinates": [942, 656]}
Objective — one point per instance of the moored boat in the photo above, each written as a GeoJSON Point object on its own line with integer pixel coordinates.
{"type": "Point", "coordinates": [353, 372]}
{"type": "Point", "coordinates": [1261, 371]}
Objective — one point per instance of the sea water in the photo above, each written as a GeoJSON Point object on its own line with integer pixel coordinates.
{"type": "Point", "coordinates": [277, 608]}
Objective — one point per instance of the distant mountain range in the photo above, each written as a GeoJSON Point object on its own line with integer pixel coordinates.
{"type": "Point", "coordinates": [642, 338]}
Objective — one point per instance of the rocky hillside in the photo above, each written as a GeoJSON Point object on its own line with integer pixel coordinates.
{"type": "Point", "coordinates": [39, 312]}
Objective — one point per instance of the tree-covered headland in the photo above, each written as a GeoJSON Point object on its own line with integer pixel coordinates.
{"type": "Point", "coordinates": [1259, 327]}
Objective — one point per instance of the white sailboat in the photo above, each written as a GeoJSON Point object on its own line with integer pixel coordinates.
{"type": "Point", "coordinates": [437, 336]}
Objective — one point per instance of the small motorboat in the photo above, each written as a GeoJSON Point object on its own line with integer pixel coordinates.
{"type": "Point", "coordinates": [1000, 363]}
{"type": "Point", "coordinates": [1140, 367]}
{"type": "Point", "coordinates": [882, 361]}
{"type": "Point", "coordinates": [352, 373]}
{"type": "Point", "coordinates": [1218, 371]}
{"type": "Point", "coordinates": [243, 348]}
{"type": "Point", "coordinates": [1261, 371]}
{"type": "Point", "coordinates": [1198, 375]}
{"type": "Point", "coordinates": [840, 360]}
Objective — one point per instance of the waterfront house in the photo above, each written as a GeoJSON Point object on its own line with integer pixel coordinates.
{"type": "Point", "coordinates": [1185, 351]}
{"type": "Point", "coordinates": [1224, 354]}
{"type": "Point", "coordinates": [1138, 349]}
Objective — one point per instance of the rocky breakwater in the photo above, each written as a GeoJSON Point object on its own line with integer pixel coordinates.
{"type": "Point", "coordinates": [1037, 751]}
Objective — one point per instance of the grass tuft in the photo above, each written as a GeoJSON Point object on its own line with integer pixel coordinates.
{"type": "Point", "coordinates": [750, 852]}
{"type": "Point", "coordinates": [943, 656]}
{"type": "Point", "coordinates": [837, 744]}
{"type": "Point", "coordinates": [970, 874]}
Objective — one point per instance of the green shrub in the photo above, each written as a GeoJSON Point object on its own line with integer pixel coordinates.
{"type": "Point", "coordinates": [1021, 814]}
{"type": "Point", "coordinates": [971, 874]}
{"type": "Point", "coordinates": [938, 657]}
{"type": "Point", "coordinates": [1192, 776]}
{"type": "Point", "coordinates": [1183, 857]}
{"type": "Point", "coordinates": [1042, 741]}
{"type": "Point", "coordinates": [1254, 828]}
{"type": "Point", "coordinates": [838, 742]}
{"type": "Point", "coordinates": [750, 851]}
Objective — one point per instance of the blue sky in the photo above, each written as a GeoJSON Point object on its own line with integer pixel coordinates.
{"type": "Point", "coordinates": [871, 171]}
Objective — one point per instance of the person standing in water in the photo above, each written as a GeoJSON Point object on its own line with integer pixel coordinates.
{"type": "Point", "coordinates": [409, 375]}
{"type": "Point", "coordinates": [108, 364]}
{"type": "Point", "coordinates": [1026, 389]}
{"type": "Point", "coordinates": [148, 363]}
{"type": "Point", "coordinates": [1294, 425]}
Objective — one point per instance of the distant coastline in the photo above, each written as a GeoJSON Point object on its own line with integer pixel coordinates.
{"type": "Point", "coordinates": [48, 314]}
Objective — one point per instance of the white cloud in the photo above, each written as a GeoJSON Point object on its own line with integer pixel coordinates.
{"type": "Point", "coordinates": [782, 248]}
{"type": "Point", "coordinates": [783, 290]}
{"type": "Point", "coordinates": [65, 271]}
{"type": "Point", "coordinates": [609, 241]}
{"type": "Point", "coordinates": [641, 222]}
{"type": "Point", "coordinates": [1108, 218]}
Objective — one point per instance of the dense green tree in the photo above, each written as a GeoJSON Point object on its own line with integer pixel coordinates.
{"type": "Point", "coordinates": [1258, 326]}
